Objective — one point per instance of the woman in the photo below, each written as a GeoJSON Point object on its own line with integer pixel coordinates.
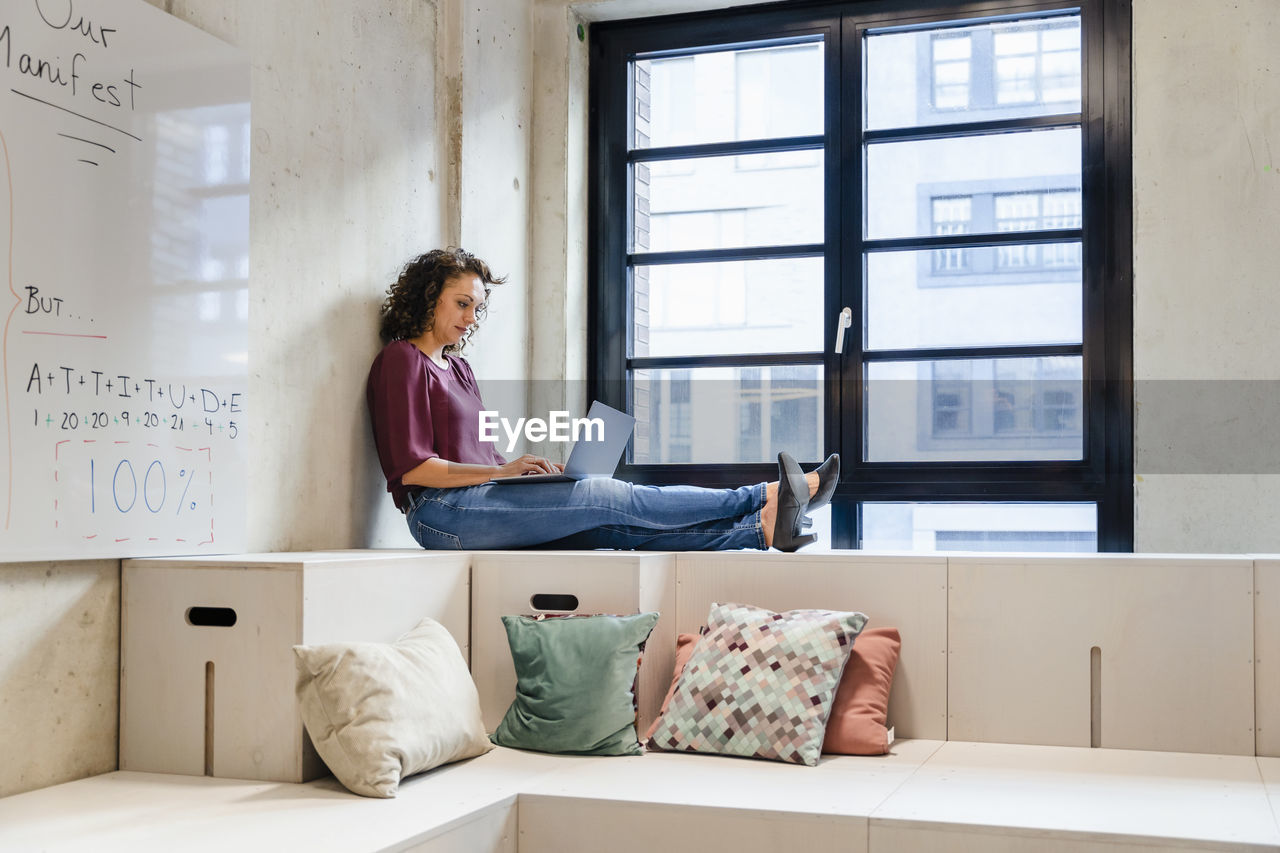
{"type": "Point", "coordinates": [425, 407]}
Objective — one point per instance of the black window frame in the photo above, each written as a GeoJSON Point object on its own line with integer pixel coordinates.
{"type": "Point", "coordinates": [1105, 474]}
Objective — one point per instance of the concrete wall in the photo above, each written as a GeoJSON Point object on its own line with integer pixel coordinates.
{"type": "Point", "coordinates": [558, 258]}
{"type": "Point", "coordinates": [361, 160]}
{"type": "Point", "coordinates": [347, 182]}
{"type": "Point", "coordinates": [1206, 165]}
{"type": "Point", "coordinates": [493, 120]}
{"type": "Point", "coordinates": [59, 671]}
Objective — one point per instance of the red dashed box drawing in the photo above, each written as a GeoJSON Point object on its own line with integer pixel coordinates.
{"type": "Point", "coordinates": [133, 491]}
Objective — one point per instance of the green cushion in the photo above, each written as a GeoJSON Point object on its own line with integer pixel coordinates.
{"type": "Point", "coordinates": [575, 683]}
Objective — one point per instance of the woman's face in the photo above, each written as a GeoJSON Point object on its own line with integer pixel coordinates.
{"type": "Point", "coordinates": [456, 308]}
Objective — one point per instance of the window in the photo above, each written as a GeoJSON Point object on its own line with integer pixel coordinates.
{"type": "Point", "coordinates": [950, 409]}
{"type": "Point", "coordinates": [1038, 63]}
{"type": "Point", "coordinates": [951, 69]}
{"type": "Point", "coordinates": [1037, 212]}
{"type": "Point", "coordinates": [1008, 526]}
{"type": "Point", "coordinates": [955, 177]}
{"type": "Point", "coordinates": [725, 159]}
{"type": "Point", "coordinates": [951, 215]}
{"type": "Point", "coordinates": [1002, 212]}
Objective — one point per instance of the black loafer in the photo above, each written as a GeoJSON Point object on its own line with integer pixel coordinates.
{"type": "Point", "coordinates": [828, 477]}
{"type": "Point", "coordinates": [793, 500]}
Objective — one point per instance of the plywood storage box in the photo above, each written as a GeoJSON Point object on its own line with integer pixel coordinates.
{"type": "Point", "coordinates": [207, 670]}
{"type": "Point", "coordinates": [526, 583]}
{"type": "Point", "coordinates": [1126, 651]}
{"type": "Point", "coordinates": [903, 591]}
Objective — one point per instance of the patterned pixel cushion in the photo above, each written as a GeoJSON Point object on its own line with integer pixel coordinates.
{"type": "Point", "coordinates": [760, 684]}
{"type": "Point", "coordinates": [858, 724]}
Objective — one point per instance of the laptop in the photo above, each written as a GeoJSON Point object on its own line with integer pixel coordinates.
{"type": "Point", "coordinates": [591, 456]}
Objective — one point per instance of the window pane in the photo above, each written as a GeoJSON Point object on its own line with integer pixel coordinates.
{"type": "Point", "coordinates": [1015, 42]}
{"type": "Point", "coordinates": [980, 526]}
{"type": "Point", "coordinates": [729, 95]}
{"type": "Point", "coordinates": [952, 73]}
{"type": "Point", "coordinates": [973, 297]}
{"type": "Point", "coordinates": [957, 410]}
{"type": "Point", "coordinates": [904, 179]}
{"type": "Point", "coordinates": [996, 70]}
{"type": "Point", "coordinates": [1015, 80]}
{"type": "Point", "coordinates": [731, 307]}
{"type": "Point", "coordinates": [1060, 210]}
{"type": "Point", "coordinates": [727, 414]}
{"type": "Point", "coordinates": [1062, 38]}
{"type": "Point", "coordinates": [727, 202]}
{"type": "Point", "coordinates": [952, 46]}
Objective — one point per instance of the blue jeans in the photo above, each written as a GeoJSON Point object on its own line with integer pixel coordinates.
{"type": "Point", "coordinates": [594, 513]}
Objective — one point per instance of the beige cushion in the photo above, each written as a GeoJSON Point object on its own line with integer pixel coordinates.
{"type": "Point", "coordinates": [378, 712]}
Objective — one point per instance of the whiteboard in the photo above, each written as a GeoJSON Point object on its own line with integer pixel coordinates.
{"type": "Point", "coordinates": [124, 235]}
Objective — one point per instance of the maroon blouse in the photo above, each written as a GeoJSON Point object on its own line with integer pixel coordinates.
{"type": "Point", "coordinates": [421, 411]}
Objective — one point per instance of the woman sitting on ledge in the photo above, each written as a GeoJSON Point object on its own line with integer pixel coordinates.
{"type": "Point", "coordinates": [425, 407]}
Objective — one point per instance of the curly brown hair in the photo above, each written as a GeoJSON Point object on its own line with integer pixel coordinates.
{"type": "Point", "coordinates": [410, 306]}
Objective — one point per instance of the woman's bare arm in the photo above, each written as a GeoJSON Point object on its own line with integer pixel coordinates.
{"type": "Point", "coordinates": [437, 473]}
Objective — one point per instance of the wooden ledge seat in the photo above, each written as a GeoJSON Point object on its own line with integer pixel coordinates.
{"type": "Point", "coordinates": [924, 795]}
{"type": "Point", "coordinates": [468, 806]}
{"type": "Point", "coordinates": [681, 802]}
{"type": "Point", "coordinates": [1003, 797]}
{"type": "Point", "coordinates": [1039, 649]}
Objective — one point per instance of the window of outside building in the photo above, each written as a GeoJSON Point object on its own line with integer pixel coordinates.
{"type": "Point", "coordinates": [951, 71]}
{"type": "Point", "coordinates": [957, 183]}
{"type": "Point", "coordinates": [951, 215]}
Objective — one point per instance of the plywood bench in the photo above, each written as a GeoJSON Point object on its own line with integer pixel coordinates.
{"type": "Point", "coordinates": [925, 795]}
{"type": "Point", "coordinates": [469, 806]}
{"type": "Point", "coordinates": [1001, 798]}
{"type": "Point", "coordinates": [998, 696]}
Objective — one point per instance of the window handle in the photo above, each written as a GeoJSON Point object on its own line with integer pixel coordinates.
{"type": "Point", "coordinates": [844, 322]}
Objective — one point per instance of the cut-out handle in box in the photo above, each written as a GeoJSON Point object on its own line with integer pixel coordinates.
{"type": "Point", "coordinates": [559, 602]}
{"type": "Point", "coordinates": [211, 617]}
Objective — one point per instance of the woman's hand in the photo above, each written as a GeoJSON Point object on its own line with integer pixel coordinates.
{"type": "Point", "coordinates": [529, 464]}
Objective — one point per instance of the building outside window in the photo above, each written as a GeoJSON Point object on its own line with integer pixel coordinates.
{"type": "Point", "coordinates": [951, 71]}
{"type": "Point", "coordinates": [757, 172]}
{"type": "Point", "coordinates": [951, 215]}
